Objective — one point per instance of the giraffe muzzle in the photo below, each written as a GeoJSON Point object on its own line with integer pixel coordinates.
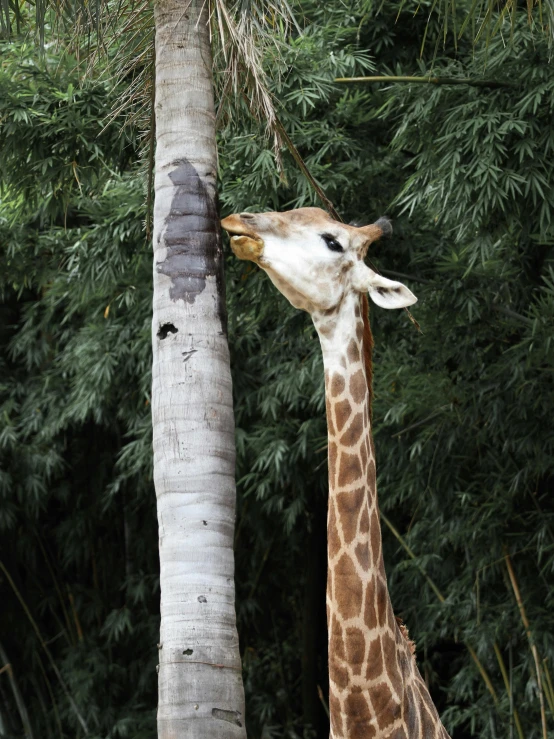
{"type": "Point", "coordinates": [245, 242]}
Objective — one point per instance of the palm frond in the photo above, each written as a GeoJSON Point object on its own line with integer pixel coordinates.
{"type": "Point", "coordinates": [243, 33]}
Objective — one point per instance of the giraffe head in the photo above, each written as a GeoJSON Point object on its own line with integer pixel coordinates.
{"type": "Point", "coordinates": [313, 259]}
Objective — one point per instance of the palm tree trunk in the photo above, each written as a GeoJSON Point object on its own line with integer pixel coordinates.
{"type": "Point", "coordinates": [200, 682]}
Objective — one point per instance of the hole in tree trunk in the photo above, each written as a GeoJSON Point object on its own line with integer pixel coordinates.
{"type": "Point", "coordinates": [166, 329]}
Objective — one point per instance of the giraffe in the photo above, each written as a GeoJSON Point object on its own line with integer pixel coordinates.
{"type": "Point", "coordinates": [317, 263]}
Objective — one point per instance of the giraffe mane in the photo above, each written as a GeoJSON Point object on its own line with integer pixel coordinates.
{"type": "Point", "coordinates": [368, 362]}
{"type": "Point", "coordinates": [405, 633]}
{"type": "Point", "coordinates": [368, 352]}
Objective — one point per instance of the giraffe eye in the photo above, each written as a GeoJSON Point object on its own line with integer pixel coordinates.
{"type": "Point", "coordinates": [331, 242]}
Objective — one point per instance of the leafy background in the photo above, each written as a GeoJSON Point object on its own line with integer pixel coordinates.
{"type": "Point", "coordinates": [463, 410]}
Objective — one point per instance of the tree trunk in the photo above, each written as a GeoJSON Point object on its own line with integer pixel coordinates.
{"type": "Point", "coordinates": [200, 681]}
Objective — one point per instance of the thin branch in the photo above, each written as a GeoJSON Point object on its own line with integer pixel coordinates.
{"type": "Point", "coordinates": [549, 684]}
{"type": "Point", "coordinates": [508, 690]}
{"type": "Point", "coordinates": [532, 644]}
{"type": "Point", "coordinates": [436, 412]}
{"type": "Point", "coordinates": [47, 558]}
{"type": "Point", "coordinates": [512, 314]}
{"type": "Point", "coordinates": [322, 699]}
{"type": "Point", "coordinates": [21, 707]}
{"type": "Point", "coordinates": [548, 687]}
{"type": "Point", "coordinates": [53, 701]}
{"type": "Point", "coordinates": [78, 627]}
{"type": "Point", "coordinates": [404, 276]}
{"type": "Point", "coordinates": [411, 554]}
{"type": "Point", "coordinates": [482, 671]}
{"type": "Point", "coordinates": [440, 596]}
{"type": "Point", "coordinates": [261, 567]}
{"type": "Point", "coordinates": [46, 650]}
{"type": "Point", "coordinates": [304, 169]}
{"type": "Point", "coordinates": [429, 80]}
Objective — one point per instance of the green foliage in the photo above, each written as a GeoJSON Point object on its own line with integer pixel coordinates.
{"type": "Point", "coordinates": [470, 403]}
{"type": "Point", "coordinates": [74, 389]}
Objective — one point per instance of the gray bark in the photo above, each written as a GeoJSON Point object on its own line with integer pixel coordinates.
{"type": "Point", "coordinates": [200, 680]}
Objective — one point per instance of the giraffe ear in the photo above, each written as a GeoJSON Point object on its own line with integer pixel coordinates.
{"type": "Point", "coordinates": [385, 293]}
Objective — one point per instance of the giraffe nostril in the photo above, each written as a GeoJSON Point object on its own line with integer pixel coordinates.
{"type": "Point", "coordinates": [247, 216]}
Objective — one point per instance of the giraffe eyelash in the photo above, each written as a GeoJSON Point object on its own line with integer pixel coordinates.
{"type": "Point", "coordinates": [331, 242]}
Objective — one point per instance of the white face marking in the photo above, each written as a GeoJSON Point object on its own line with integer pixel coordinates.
{"type": "Point", "coordinates": [312, 259]}
{"type": "Point", "coordinates": [305, 269]}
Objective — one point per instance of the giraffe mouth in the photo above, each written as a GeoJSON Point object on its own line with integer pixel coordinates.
{"type": "Point", "coordinates": [245, 243]}
{"type": "Point", "coordinates": [236, 228]}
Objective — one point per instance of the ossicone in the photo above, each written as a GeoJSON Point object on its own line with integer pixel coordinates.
{"type": "Point", "coordinates": [374, 231]}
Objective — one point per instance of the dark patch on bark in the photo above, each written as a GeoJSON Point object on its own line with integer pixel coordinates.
{"type": "Point", "coordinates": [166, 329]}
{"type": "Point", "coordinates": [202, 599]}
{"type": "Point", "coordinates": [233, 717]}
{"type": "Point", "coordinates": [192, 238]}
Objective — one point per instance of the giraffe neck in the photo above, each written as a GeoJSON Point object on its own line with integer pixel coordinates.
{"type": "Point", "coordinates": [372, 672]}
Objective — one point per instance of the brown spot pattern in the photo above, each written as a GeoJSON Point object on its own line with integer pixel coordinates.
{"type": "Point", "coordinates": [350, 503]}
{"type": "Point", "coordinates": [370, 611]}
{"type": "Point", "coordinates": [332, 458]}
{"type": "Point", "coordinates": [330, 424]}
{"type": "Point", "coordinates": [375, 534]}
{"type": "Point", "coordinates": [333, 538]}
{"type": "Point", "coordinates": [350, 469]}
{"type": "Point", "coordinates": [358, 386]}
{"type": "Point", "coordinates": [343, 410]}
{"type": "Point", "coordinates": [353, 433]}
{"type": "Point", "coordinates": [428, 723]}
{"type": "Point", "coordinates": [353, 352]}
{"type": "Point", "coordinates": [358, 718]}
{"type": "Point", "coordinates": [362, 555]}
{"type": "Point", "coordinates": [374, 665]}
{"type": "Point", "coordinates": [335, 711]}
{"type": "Point", "coordinates": [388, 645]}
{"type": "Point", "coordinates": [348, 523]}
{"type": "Point", "coordinates": [337, 385]}
{"type": "Point", "coordinates": [411, 716]}
{"type": "Point", "coordinates": [364, 522]}
{"type": "Point", "coordinates": [383, 605]}
{"type": "Point", "coordinates": [385, 707]}
{"type": "Point", "coordinates": [338, 672]}
{"type": "Point", "coordinates": [355, 649]}
{"type": "Point", "coordinates": [347, 581]}
{"type": "Point", "coordinates": [371, 478]}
